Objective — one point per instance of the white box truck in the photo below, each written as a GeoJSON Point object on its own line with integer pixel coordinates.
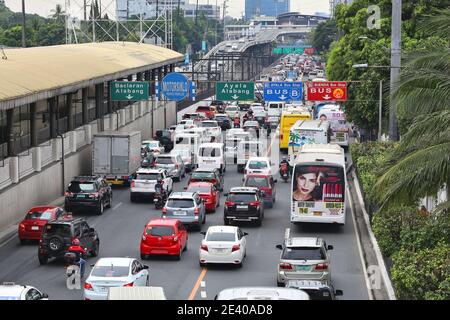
{"type": "Point", "coordinates": [116, 155]}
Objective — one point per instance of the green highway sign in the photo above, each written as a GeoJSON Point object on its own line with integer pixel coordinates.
{"type": "Point", "coordinates": [288, 50]}
{"type": "Point", "coordinates": [129, 90]}
{"type": "Point", "coordinates": [235, 91]}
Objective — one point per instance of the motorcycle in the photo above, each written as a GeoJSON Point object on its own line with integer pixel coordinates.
{"type": "Point", "coordinates": [160, 201]}
{"type": "Point", "coordinates": [284, 172]}
{"type": "Point", "coordinates": [72, 265]}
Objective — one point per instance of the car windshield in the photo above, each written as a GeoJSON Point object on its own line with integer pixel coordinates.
{"type": "Point", "coordinates": [61, 230]}
{"type": "Point", "coordinates": [164, 160]}
{"type": "Point", "coordinates": [242, 197]}
{"type": "Point", "coordinates": [231, 109]}
{"type": "Point", "coordinates": [257, 164]}
{"type": "Point", "coordinates": [303, 253]}
{"type": "Point", "coordinates": [180, 203]}
{"type": "Point", "coordinates": [76, 186]}
{"type": "Point", "coordinates": [43, 215]}
{"type": "Point", "coordinates": [221, 236]}
{"type": "Point", "coordinates": [257, 182]}
{"type": "Point", "coordinates": [148, 176]}
{"type": "Point", "coordinates": [209, 124]}
{"type": "Point", "coordinates": [110, 271]}
{"type": "Point", "coordinates": [200, 189]}
{"type": "Point", "coordinates": [203, 175]}
{"type": "Point", "coordinates": [160, 231]}
{"type": "Point", "coordinates": [251, 124]}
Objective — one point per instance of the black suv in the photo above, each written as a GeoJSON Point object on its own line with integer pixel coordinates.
{"type": "Point", "coordinates": [91, 192]}
{"type": "Point", "coordinates": [223, 121]}
{"type": "Point", "coordinates": [219, 104]}
{"type": "Point", "coordinates": [165, 138]}
{"type": "Point", "coordinates": [244, 204]}
{"type": "Point", "coordinates": [58, 235]}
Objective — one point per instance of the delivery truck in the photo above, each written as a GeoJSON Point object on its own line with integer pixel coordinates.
{"type": "Point", "coordinates": [117, 156]}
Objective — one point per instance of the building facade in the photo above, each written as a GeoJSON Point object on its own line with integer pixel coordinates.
{"type": "Point", "coordinates": [255, 8]}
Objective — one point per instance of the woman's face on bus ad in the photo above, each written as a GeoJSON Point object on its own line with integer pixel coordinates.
{"type": "Point", "coordinates": [306, 183]}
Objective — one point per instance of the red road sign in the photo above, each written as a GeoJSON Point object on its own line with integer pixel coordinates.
{"type": "Point", "coordinates": [327, 91]}
{"type": "Point", "coordinates": [309, 51]}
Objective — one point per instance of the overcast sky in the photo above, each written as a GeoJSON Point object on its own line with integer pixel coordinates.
{"type": "Point", "coordinates": [236, 7]}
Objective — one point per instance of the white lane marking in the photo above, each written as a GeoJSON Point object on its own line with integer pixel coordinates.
{"type": "Point", "coordinates": [202, 284]}
{"type": "Point", "coordinates": [358, 242]}
{"type": "Point", "coordinates": [203, 292]}
{"type": "Point", "coordinates": [117, 205]}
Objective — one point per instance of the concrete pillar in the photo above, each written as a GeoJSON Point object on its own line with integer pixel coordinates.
{"type": "Point", "coordinates": [113, 121]}
{"type": "Point", "coordinates": [10, 133]}
{"type": "Point", "coordinates": [84, 108]}
{"type": "Point", "coordinates": [52, 116]}
{"type": "Point", "coordinates": [14, 169]}
{"type": "Point", "coordinates": [143, 108]}
{"type": "Point", "coordinates": [130, 77]}
{"type": "Point", "coordinates": [73, 141]}
{"type": "Point", "coordinates": [70, 112]}
{"type": "Point", "coordinates": [139, 76]}
{"type": "Point", "coordinates": [122, 117]}
{"type": "Point", "coordinates": [33, 126]}
{"type": "Point", "coordinates": [133, 111]}
{"type": "Point", "coordinates": [110, 104]}
{"type": "Point", "coordinates": [37, 159]}
{"type": "Point", "coordinates": [98, 100]}
{"type": "Point", "coordinates": [88, 133]}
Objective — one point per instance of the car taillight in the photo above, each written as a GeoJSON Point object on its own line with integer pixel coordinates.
{"type": "Point", "coordinates": [88, 286]}
{"type": "Point", "coordinates": [285, 266]}
{"type": "Point", "coordinates": [321, 266]}
{"type": "Point", "coordinates": [68, 194]}
{"type": "Point", "coordinates": [196, 211]}
{"type": "Point", "coordinates": [281, 136]}
{"type": "Point", "coordinates": [175, 239]}
{"type": "Point", "coordinates": [255, 203]}
{"type": "Point", "coordinates": [236, 247]}
{"type": "Point", "coordinates": [21, 226]}
{"type": "Point", "coordinates": [133, 183]}
{"type": "Point", "coordinates": [128, 284]}
{"type": "Point", "coordinates": [204, 247]}
{"type": "Point", "coordinates": [144, 238]}
{"type": "Point", "coordinates": [229, 203]}
{"type": "Point", "coordinates": [94, 195]}
{"type": "Point", "coordinates": [164, 210]}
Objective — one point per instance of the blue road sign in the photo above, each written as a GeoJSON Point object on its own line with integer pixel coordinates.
{"type": "Point", "coordinates": [283, 91]}
{"type": "Point", "coordinates": [292, 74]}
{"type": "Point", "coordinates": [175, 86]}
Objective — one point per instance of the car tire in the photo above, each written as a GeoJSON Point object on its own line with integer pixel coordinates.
{"type": "Point", "coordinates": [239, 265]}
{"type": "Point", "coordinates": [95, 249]}
{"type": "Point", "coordinates": [186, 246]}
{"type": "Point", "coordinates": [132, 198]}
{"type": "Point", "coordinates": [147, 282]}
{"type": "Point", "coordinates": [144, 256]}
{"type": "Point", "coordinates": [100, 209]}
{"type": "Point", "coordinates": [43, 259]}
{"type": "Point", "coordinates": [202, 265]}
{"type": "Point", "coordinates": [178, 256]}
{"type": "Point", "coordinates": [280, 284]}
{"type": "Point", "coordinates": [226, 222]}
{"type": "Point", "coordinates": [110, 201]}
{"type": "Point", "coordinates": [259, 222]}
{"type": "Point", "coordinates": [23, 241]}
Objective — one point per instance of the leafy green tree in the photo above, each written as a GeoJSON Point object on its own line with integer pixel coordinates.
{"type": "Point", "coordinates": [323, 35]}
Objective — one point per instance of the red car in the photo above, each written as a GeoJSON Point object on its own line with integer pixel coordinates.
{"type": "Point", "coordinates": [207, 192]}
{"type": "Point", "coordinates": [208, 111]}
{"type": "Point", "coordinates": [37, 217]}
{"type": "Point", "coordinates": [265, 183]}
{"type": "Point", "coordinates": [164, 237]}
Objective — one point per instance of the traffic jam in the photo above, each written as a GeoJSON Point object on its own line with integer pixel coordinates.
{"type": "Point", "coordinates": [227, 175]}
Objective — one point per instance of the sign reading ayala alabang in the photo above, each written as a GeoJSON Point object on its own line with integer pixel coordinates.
{"type": "Point", "coordinates": [235, 91]}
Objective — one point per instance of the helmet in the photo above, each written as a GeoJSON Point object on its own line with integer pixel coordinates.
{"type": "Point", "coordinates": [76, 242]}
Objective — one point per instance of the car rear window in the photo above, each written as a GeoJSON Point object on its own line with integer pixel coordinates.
{"type": "Point", "coordinates": [242, 197]}
{"type": "Point", "coordinates": [76, 186]}
{"type": "Point", "coordinates": [199, 189]}
{"type": "Point", "coordinates": [202, 175]}
{"type": "Point", "coordinates": [110, 271]}
{"type": "Point", "coordinates": [148, 176]}
{"type": "Point", "coordinates": [160, 231]}
{"type": "Point", "coordinates": [210, 152]}
{"type": "Point", "coordinates": [165, 160]}
{"type": "Point", "coordinates": [257, 182]}
{"type": "Point", "coordinates": [180, 203]}
{"type": "Point", "coordinates": [62, 230]}
{"type": "Point", "coordinates": [209, 125]}
{"type": "Point", "coordinates": [303, 253]}
{"type": "Point", "coordinates": [203, 109]}
{"type": "Point", "coordinates": [221, 236]}
{"type": "Point", "coordinates": [257, 165]}
{"type": "Point", "coordinates": [43, 215]}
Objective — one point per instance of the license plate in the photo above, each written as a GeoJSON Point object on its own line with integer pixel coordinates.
{"type": "Point", "coordinates": [302, 268]}
{"type": "Point", "coordinates": [103, 289]}
{"type": "Point", "coordinates": [81, 196]}
{"type": "Point", "coordinates": [34, 228]}
{"type": "Point", "coordinates": [220, 251]}
{"type": "Point", "coordinates": [318, 213]}
{"type": "Point", "coordinates": [242, 207]}
{"type": "Point", "coordinates": [180, 213]}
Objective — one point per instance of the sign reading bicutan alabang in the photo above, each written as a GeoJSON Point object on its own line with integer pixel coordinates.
{"type": "Point", "coordinates": [327, 91]}
{"type": "Point", "coordinates": [235, 91]}
{"type": "Point", "coordinates": [129, 90]}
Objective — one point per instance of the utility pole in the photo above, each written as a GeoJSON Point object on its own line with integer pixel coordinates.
{"type": "Point", "coordinates": [24, 44]}
{"type": "Point", "coordinates": [224, 13]}
{"type": "Point", "coordinates": [196, 12]}
{"type": "Point", "coordinates": [395, 64]}
{"type": "Point", "coordinates": [84, 10]}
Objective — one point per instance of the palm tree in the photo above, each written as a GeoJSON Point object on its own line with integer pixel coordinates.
{"type": "Point", "coordinates": [58, 13]}
{"type": "Point", "coordinates": [420, 165]}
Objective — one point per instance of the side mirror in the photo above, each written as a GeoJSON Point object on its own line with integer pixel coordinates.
{"type": "Point", "coordinates": [45, 296]}
{"type": "Point", "coordinates": [330, 247]}
{"type": "Point", "coordinates": [339, 293]}
{"type": "Point", "coordinates": [275, 181]}
{"type": "Point", "coordinates": [146, 267]}
{"type": "Point", "coordinates": [203, 233]}
{"type": "Point", "coordinates": [279, 246]}
{"type": "Point", "coordinates": [245, 234]}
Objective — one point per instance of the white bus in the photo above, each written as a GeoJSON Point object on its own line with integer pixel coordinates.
{"type": "Point", "coordinates": [318, 185]}
{"type": "Point", "coordinates": [306, 132]}
{"type": "Point", "coordinates": [338, 124]}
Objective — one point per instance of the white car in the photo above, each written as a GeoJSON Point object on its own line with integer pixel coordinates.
{"type": "Point", "coordinates": [223, 244]}
{"type": "Point", "coordinates": [154, 146]}
{"type": "Point", "coordinates": [12, 291]}
{"type": "Point", "coordinates": [258, 165]}
{"type": "Point", "coordinates": [186, 156]}
{"type": "Point", "coordinates": [143, 185]}
{"type": "Point", "coordinates": [261, 293]}
{"type": "Point", "coordinates": [188, 123]}
{"type": "Point", "coordinates": [114, 272]}
{"type": "Point", "coordinates": [213, 130]}
{"type": "Point", "coordinates": [232, 112]}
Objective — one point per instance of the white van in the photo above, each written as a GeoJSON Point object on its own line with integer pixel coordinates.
{"type": "Point", "coordinates": [202, 133]}
{"type": "Point", "coordinates": [189, 141]}
{"type": "Point", "coordinates": [274, 108]}
{"type": "Point", "coordinates": [136, 293]}
{"type": "Point", "coordinates": [211, 155]}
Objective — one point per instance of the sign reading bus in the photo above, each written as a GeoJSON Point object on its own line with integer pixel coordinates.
{"type": "Point", "coordinates": [327, 91]}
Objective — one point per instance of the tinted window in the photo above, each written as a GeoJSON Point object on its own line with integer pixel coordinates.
{"type": "Point", "coordinates": [76, 186]}
{"type": "Point", "coordinates": [62, 230]}
{"type": "Point", "coordinates": [148, 176]}
{"type": "Point", "coordinates": [44, 215]}
{"type": "Point", "coordinates": [242, 197]}
{"type": "Point", "coordinates": [160, 231]}
{"type": "Point", "coordinates": [257, 182]}
{"type": "Point", "coordinates": [203, 109]}
{"type": "Point", "coordinates": [110, 271]}
{"type": "Point", "coordinates": [180, 203]}
{"type": "Point", "coordinates": [210, 152]}
{"type": "Point", "coordinates": [165, 160]}
{"type": "Point", "coordinates": [303, 253]}
{"type": "Point", "coordinates": [203, 175]}
{"type": "Point", "coordinates": [257, 165]}
{"type": "Point", "coordinates": [199, 189]}
{"type": "Point", "coordinates": [209, 125]}
{"type": "Point", "coordinates": [221, 236]}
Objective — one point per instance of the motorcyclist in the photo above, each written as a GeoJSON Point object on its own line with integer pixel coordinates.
{"type": "Point", "coordinates": [79, 252]}
{"type": "Point", "coordinates": [284, 164]}
{"type": "Point", "coordinates": [236, 121]}
{"type": "Point", "coordinates": [160, 191]}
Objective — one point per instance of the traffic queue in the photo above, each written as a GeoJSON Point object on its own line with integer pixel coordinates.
{"type": "Point", "coordinates": [216, 137]}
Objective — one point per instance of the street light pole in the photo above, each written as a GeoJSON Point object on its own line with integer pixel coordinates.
{"type": "Point", "coordinates": [395, 65]}
{"type": "Point", "coordinates": [24, 44]}
{"type": "Point", "coordinates": [380, 110]}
